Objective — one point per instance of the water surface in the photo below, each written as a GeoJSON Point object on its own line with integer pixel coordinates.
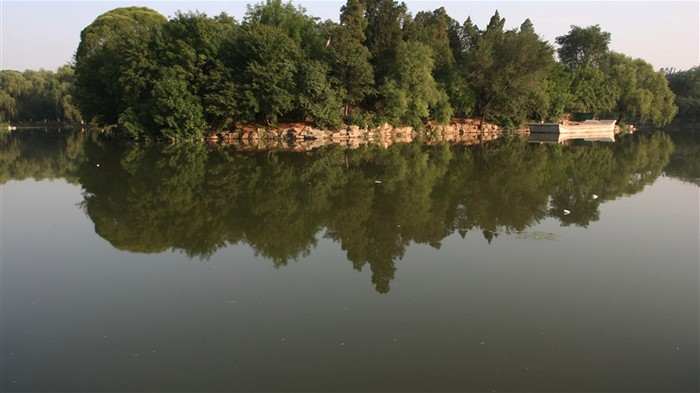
{"type": "Point", "coordinates": [502, 267]}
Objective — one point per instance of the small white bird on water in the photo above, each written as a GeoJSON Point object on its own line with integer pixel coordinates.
{"type": "Point", "coordinates": [566, 212]}
{"type": "Point", "coordinates": [595, 196]}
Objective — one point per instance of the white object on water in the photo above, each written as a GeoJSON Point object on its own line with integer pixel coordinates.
{"type": "Point", "coordinates": [566, 212]}
{"type": "Point", "coordinates": [377, 182]}
{"type": "Point", "coordinates": [595, 196]}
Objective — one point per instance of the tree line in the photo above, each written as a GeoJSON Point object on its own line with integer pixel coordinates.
{"type": "Point", "coordinates": [686, 86]}
{"type": "Point", "coordinates": [159, 78]}
{"type": "Point", "coordinates": [38, 96]}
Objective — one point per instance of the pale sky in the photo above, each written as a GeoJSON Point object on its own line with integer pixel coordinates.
{"type": "Point", "coordinates": [45, 34]}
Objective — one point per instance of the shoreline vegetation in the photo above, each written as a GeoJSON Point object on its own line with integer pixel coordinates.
{"type": "Point", "coordinates": [304, 136]}
{"type": "Point", "coordinates": [380, 70]}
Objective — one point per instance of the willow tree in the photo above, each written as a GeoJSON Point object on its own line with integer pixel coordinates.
{"type": "Point", "coordinates": [12, 85]}
{"type": "Point", "coordinates": [640, 93]}
{"type": "Point", "coordinates": [33, 96]}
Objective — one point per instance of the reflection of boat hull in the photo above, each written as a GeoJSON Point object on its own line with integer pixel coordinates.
{"type": "Point", "coordinates": [589, 130]}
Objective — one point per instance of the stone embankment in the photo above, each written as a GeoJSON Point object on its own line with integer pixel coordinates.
{"type": "Point", "coordinates": [299, 136]}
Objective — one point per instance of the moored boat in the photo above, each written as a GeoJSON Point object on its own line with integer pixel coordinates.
{"type": "Point", "coordinates": [599, 130]}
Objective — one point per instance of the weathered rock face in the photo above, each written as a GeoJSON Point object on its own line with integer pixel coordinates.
{"type": "Point", "coordinates": [305, 137]}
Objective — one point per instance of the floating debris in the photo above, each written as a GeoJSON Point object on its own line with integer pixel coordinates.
{"type": "Point", "coordinates": [537, 235]}
{"type": "Point", "coordinates": [595, 196]}
{"type": "Point", "coordinates": [567, 212]}
{"type": "Point", "coordinates": [543, 235]}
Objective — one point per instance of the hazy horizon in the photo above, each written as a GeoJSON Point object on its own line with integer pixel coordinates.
{"type": "Point", "coordinates": [665, 34]}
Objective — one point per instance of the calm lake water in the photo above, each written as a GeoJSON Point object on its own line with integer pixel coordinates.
{"type": "Point", "coordinates": [502, 267]}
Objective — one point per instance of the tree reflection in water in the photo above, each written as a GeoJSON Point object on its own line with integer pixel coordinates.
{"type": "Point", "coordinates": [374, 202]}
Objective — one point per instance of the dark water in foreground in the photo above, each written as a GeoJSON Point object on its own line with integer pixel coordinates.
{"type": "Point", "coordinates": [503, 267]}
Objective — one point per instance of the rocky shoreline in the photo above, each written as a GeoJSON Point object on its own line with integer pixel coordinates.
{"type": "Point", "coordinates": [300, 136]}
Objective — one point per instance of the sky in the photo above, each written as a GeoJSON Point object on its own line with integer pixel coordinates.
{"type": "Point", "coordinates": [45, 34]}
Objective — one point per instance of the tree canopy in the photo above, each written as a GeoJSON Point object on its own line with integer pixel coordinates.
{"type": "Point", "coordinates": [159, 78]}
{"type": "Point", "coordinates": [583, 46]}
{"type": "Point", "coordinates": [38, 96]}
{"type": "Point", "coordinates": [686, 86]}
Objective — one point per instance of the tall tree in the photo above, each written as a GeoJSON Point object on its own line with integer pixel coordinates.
{"type": "Point", "coordinates": [176, 110]}
{"type": "Point", "coordinates": [352, 17]}
{"type": "Point", "coordinates": [583, 46]}
{"type": "Point", "coordinates": [507, 71]}
{"type": "Point", "coordinates": [102, 60]}
{"type": "Point", "coordinates": [317, 97]}
{"type": "Point", "coordinates": [432, 29]}
{"type": "Point", "coordinates": [411, 95]}
{"type": "Point", "coordinates": [264, 61]}
{"type": "Point", "coordinates": [582, 51]}
{"type": "Point", "coordinates": [350, 67]}
{"type": "Point", "coordinates": [67, 110]}
{"type": "Point", "coordinates": [686, 86]}
{"type": "Point", "coordinates": [299, 27]}
{"type": "Point", "coordinates": [194, 42]}
{"type": "Point", "coordinates": [385, 21]}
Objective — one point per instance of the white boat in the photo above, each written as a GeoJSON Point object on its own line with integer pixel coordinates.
{"type": "Point", "coordinates": [589, 130]}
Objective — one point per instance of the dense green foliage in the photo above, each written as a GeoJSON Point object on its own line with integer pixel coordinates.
{"type": "Point", "coordinates": [507, 72]}
{"type": "Point", "coordinates": [188, 197]}
{"type": "Point", "coordinates": [175, 79]}
{"type": "Point", "coordinates": [38, 96]}
{"type": "Point", "coordinates": [583, 46]}
{"type": "Point", "coordinates": [686, 86]}
{"type": "Point", "coordinates": [114, 64]}
{"type": "Point", "coordinates": [612, 84]}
